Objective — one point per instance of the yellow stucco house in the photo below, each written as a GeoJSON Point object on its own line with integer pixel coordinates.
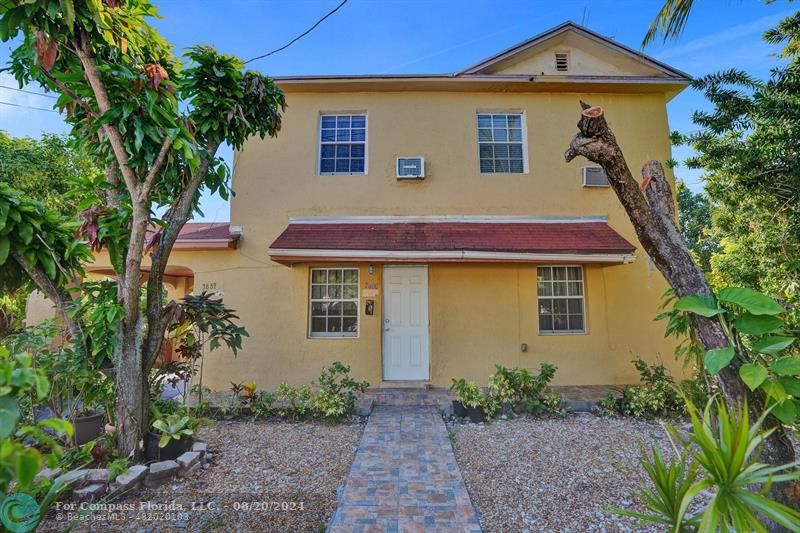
{"type": "Point", "coordinates": [425, 227]}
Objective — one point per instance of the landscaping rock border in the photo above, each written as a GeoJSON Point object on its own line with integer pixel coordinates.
{"type": "Point", "coordinates": [93, 484]}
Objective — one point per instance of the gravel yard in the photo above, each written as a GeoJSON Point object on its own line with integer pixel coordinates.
{"type": "Point", "coordinates": [254, 463]}
{"type": "Point", "coordinates": [553, 474]}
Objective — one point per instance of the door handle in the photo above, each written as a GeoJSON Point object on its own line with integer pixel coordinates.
{"type": "Point", "coordinates": [387, 328]}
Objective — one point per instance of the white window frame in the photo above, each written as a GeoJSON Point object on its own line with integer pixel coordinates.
{"type": "Point", "coordinates": [334, 143]}
{"type": "Point", "coordinates": [524, 142]}
{"type": "Point", "coordinates": [311, 300]}
{"type": "Point", "coordinates": [582, 298]}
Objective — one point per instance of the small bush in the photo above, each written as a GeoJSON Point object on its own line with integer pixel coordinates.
{"type": "Point", "coordinates": [337, 392]}
{"type": "Point", "coordinates": [553, 401]}
{"type": "Point", "coordinates": [264, 405]}
{"type": "Point", "coordinates": [657, 395]}
{"type": "Point", "coordinates": [298, 400]}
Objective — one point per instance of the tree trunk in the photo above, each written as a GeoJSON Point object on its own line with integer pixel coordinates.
{"type": "Point", "coordinates": [652, 214]}
{"type": "Point", "coordinates": [130, 405]}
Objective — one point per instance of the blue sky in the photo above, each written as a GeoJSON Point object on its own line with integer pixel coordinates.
{"type": "Point", "coordinates": [435, 36]}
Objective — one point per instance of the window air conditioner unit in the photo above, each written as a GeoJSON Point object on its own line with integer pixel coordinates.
{"type": "Point", "coordinates": [410, 168]}
{"type": "Point", "coordinates": [594, 177]}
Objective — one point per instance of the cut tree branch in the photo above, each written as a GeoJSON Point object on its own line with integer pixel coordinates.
{"type": "Point", "coordinates": [652, 215]}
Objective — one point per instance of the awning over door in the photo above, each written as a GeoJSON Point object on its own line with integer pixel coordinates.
{"type": "Point", "coordinates": [450, 239]}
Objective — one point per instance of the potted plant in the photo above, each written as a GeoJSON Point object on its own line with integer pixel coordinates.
{"type": "Point", "coordinates": [458, 386]}
{"type": "Point", "coordinates": [473, 399]}
{"type": "Point", "coordinates": [171, 436]}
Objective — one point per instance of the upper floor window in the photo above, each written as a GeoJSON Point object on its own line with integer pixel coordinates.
{"type": "Point", "coordinates": [501, 143]}
{"type": "Point", "coordinates": [561, 304]}
{"type": "Point", "coordinates": [342, 144]}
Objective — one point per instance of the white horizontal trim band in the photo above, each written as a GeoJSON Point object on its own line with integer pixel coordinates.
{"type": "Point", "coordinates": [479, 219]}
{"type": "Point", "coordinates": [454, 254]}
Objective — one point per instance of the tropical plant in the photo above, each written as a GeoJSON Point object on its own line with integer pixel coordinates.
{"type": "Point", "coordinates": [117, 467]}
{"type": "Point", "coordinates": [743, 144]}
{"type": "Point", "coordinates": [155, 124]}
{"type": "Point", "coordinates": [720, 456]}
{"type": "Point", "coordinates": [656, 395]}
{"type": "Point", "coordinates": [760, 345]}
{"type": "Point", "coordinates": [200, 320]}
{"type": "Point", "coordinates": [694, 222]}
{"type": "Point", "coordinates": [174, 427]}
{"type": "Point", "coordinates": [468, 393]}
{"type": "Point", "coordinates": [297, 401]}
{"type": "Point", "coordinates": [337, 393]}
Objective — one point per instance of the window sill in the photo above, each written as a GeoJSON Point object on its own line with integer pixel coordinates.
{"type": "Point", "coordinates": [342, 174]}
{"type": "Point", "coordinates": [561, 333]}
{"type": "Point", "coordinates": [331, 337]}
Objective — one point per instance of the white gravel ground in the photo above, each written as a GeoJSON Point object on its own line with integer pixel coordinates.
{"type": "Point", "coordinates": [557, 474]}
{"type": "Point", "coordinates": [254, 465]}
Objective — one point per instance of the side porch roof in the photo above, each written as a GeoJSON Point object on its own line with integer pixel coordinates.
{"type": "Point", "coordinates": [450, 239]}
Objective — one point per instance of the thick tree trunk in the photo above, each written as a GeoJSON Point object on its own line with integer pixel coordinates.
{"type": "Point", "coordinates": [652, 214]}
{"type": "Point", "coordinates": [130, 405]}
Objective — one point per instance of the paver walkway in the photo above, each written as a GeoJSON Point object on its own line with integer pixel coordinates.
{"type": "Point", "coordinates": [404, 477]}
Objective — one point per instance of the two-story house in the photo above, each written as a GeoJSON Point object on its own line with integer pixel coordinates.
{"type": "Point", "coordinates": [425, 227]}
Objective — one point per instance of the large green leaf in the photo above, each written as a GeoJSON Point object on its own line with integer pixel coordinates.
{"type": "Point", "coordinates": [28, 464]}
{"type": "Point", "coordinates": [792, 385]}
{"type": "Point", "coordinates": [699, 304]}
{"type": "Point", "coordinates": [751, 324]}
{"type": "Point", "coordinates": [772, 345]}
{"type": "Point", "coordinates": [775, 390]}
{"type": "Point", "coordinates": [9, 414]}
{"type": "Point", "coordinates": [786, 412]}
{"type": "Point", "coordinates": [753, 375]}
{"type": "Point", "coordinates": [786, 366]}
{"type": "Point", "coordinates": [718, 358]}
{"type": "Point", "coordinates": [750, 300]}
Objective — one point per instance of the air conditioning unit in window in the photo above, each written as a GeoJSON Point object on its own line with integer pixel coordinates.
{"type": "Point", "coordinates": [594, 177]}
{"type": "Point", "coordinates": [410, 168]}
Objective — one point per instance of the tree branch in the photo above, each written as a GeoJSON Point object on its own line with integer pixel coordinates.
{"type": "Point", "coordinates": [81, 102]}
{"type": "Point", "coordinates": [104, 104]}
{"type": "Point", "coordinates": [156, 168]}
{"type": "Point", "coordinates": [176, 218]}
{"type": "Point", "coordinates": [59, 297]}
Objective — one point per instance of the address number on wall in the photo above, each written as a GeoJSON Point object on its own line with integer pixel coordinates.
{"type": "Point", "coordinates": [208, 286]}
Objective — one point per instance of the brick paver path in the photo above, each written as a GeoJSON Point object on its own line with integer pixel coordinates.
{"type": "Point", "coordinates": [404, 477]}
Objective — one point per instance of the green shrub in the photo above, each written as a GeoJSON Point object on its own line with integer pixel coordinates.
{"type": "Point", "coordinates": [657, 395]}
{"type": "Point", "coordinates": [337, 392]}
{"type": "Point", "coordinates": [610, 404]}
{"type": "Point", "coordinates": [720, 457]}
{"type": "Point", "coordinates": [264, 405]}
{"type": "Point", "coordinates": [298, 400]}
{"type": "Point", "coordinates": [553, 401]}
{"type": "Point", "coordinates": [468, 393]}
{"type": "Point", "coordinates": [117, 467]}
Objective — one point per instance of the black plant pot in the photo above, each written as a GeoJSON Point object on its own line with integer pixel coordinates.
{"type": "Point", "coordinates": [88, 427]}
{"type": "Point", "coordinates": [476, 414]}
{"type": "Point", "coordinates": [171, 451]}
{"type": "Point", "coordinates": [458, 409]}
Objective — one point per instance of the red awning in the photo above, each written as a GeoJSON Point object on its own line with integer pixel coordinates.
{"type": "Point", "coordinates": [472, 240]}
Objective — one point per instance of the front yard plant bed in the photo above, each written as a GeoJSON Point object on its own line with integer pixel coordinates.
{"type": "Point", "coordinates": [554, 474]}
{"type": "Point", "coordinates": [252, 464]}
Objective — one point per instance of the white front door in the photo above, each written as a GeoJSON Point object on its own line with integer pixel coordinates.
{"type": "Point", "coordinates": [405, 323]}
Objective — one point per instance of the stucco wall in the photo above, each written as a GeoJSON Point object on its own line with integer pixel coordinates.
{"type": "Point", "coordinates": [479, 314]}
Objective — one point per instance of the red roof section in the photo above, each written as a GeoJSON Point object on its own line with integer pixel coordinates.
{"type": "Point", "coordinates": [516, 237]}
{"type": "Point", "coordinates": [206, 236]}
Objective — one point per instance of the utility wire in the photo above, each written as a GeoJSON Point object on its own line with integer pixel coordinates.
{"type": "Point", "coordinates": [309, 30]}
{"type": "Point", "coordinates": [28, 92]}
{"type": "Point", "coordinates": [29, 107]}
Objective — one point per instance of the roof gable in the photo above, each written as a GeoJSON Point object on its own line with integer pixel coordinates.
{"type": "Point", "coordinates": [590, 54]}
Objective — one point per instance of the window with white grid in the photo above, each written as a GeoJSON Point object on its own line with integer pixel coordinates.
{"type": "Point", "coordinates": [561, 299]}
{"type": "Point", "coordinates": [342, 144]}
{"type": "Point", "coordinates": [501, 143]}
{"type": "Point", "coordinates": [334, 302]}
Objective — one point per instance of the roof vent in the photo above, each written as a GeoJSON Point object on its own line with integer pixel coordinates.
{"type": "Point", "coordinates": [562, 61]}
{"type": "Point", "coordinates": [411, 168]}
{"type": "Point", "coordinates": [594, 177]}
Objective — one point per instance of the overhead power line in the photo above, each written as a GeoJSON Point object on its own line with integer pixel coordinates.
{"type": "Point", "coordinates": [28, 92]}
{"type": "Point", "coordinates": [309, 30]}
{"type": "Point", "coordinates": [29, 107]}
